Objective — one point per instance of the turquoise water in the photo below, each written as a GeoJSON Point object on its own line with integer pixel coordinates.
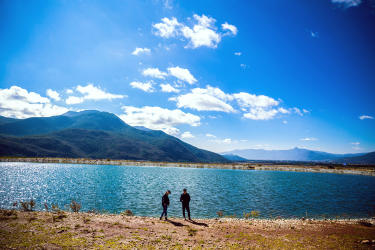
{"type": "Point", "coordinates": [117, 188]}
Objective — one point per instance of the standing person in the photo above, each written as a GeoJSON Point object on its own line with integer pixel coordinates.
{"type": "Point", "coordinates": [165, 204]}
{"type": "Point", "coordinates": [185, 200]}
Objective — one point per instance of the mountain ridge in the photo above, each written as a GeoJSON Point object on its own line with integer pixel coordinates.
{"type": "Point", "coordinates": [94, 134]}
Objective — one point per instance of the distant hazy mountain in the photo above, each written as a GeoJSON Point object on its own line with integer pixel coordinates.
{"type": "Point", "coordinates": [94, 134]}
{"type": "Point", "coordinates": [234, 158]}
{"type": "Point", "coordinates": [295, 154]}
{"type": "Point", "coordinates": [368, 158]}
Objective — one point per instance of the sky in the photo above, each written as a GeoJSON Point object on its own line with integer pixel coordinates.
{"type": "Point", "coordinates": [220, 75]}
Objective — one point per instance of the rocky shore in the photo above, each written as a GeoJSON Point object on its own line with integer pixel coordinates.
{"type": "Point", "coordinates": [338, 169]}
{"type": "Point", "coordinates": [57, 230]}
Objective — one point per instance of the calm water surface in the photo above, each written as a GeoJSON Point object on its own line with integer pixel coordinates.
{"type": "Point", "coordinates": [117, 188]}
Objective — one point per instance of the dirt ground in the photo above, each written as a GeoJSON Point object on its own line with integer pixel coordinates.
{"type": "Point", "coordinates": [47, 230]}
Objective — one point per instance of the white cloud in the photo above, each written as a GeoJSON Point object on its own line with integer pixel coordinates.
{"type": "Point", "coordinates": [91, 92]}
{"type": "Point", "coordinates": [363, 117]}
{"type": "Point", "coordinates": [182, 74]}
{"type": "Point", "coordinates": [249, 100]}
{"type": "Point", "coordinates": [53, 94]}
{"type": "Point", "coordinates": [227, 141]}
{"type": "Point", "coordinates": [139, 51]}
{"type": "Point", "coordinates": [17, 102]}
{"type": "Point", "coordinates": [211, 135]}
{"type": "Point", "coordinates": [237, 53]}
{"type": "Point", "coordinates": [231, 28]}
{"type": "Point", "coordinates": [285, 122]}
{"type": "Point", "coordinates": [202, 34]}
{"type": "Point", "coordinates": [309, 139]}
{"type": "Point", "coordinates": [314, 34]}
{"type": "Point", "coordinates": [347, 3]}
{"type": "Point", "coordinates": [244, 66]}
{"type": "Point", "coordinates": [208, 99]}
{"type": "Point", "coordinates": [158, 118]}
{"type": "Point", "coordinates": [74, 100]}
{"type": "Point", "coordinates": [168, 88]}
{"type": "Point", "coordinates": [154, 72]}
{"type": "Point", "coordinates": [167, 28]}
{"type": "Point", "coordinates": [145, 86]}
{"type": "Point", "coordinates": [305, 111]}
{"type": "Point", "coordinates": [297, 111]}
{"type": "Point", "coordinates": [356, 145]}
{"type": "Point", "coordinates": [260, 114]}
{"type": "Point", "coordinates": [69, 91]}
{"type": "Point", "coordinates": [187, 135]}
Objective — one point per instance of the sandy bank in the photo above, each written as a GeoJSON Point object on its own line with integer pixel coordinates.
{"type": "Point", "coordinates": [338, 169]}
{"type": "Point", "coordinates": [84, 230]}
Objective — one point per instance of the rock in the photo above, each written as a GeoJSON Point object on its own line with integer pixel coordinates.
{"type": "Point", "coordinates": [365, 242]}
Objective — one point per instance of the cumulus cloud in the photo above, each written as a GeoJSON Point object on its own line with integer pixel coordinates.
{"type": "Point", "coordinates": [237, 53]}
{"type": "Point", "coordinates": [208, 99]}
{"type": "Point", "coordinates": [231, 28]}
{"type": "Point", "coordinates": [145, 86]}
{"type": "Point", "coordinates": [182, 74]}
{"type": "Point", "coordinates": [158, 118]}
{"type": "Point", "coordinates": [139, 51]}
{"type": "Point", "coordinates": [91, 92]}
{"type": "Point", "coordinates": [17, 102]}
{"type": "Point", "coordinates": [168, 88]}
{"type": "Point", "coordinates": [249, 100]}
{"type": "Point", "coordinates": [69, 91]}
{"type": "Point", "coordinates": [187, 135]}
{"type": "Point", "coordinates": [203, 33]}
{"type": "Point", "coordinates": [74, 100]}
{"type": "Point", "coordinates": [167, 28]}
{"type": "Point", "coordinates": [155, 73]}
{"type": "Point", "coordinates": [254, 107]}
{"type": "Point", "coordinates": [259, 107]}
{"type": "Point", "coordinates": [363, 117]}
{"type": "Point", "coordinates": [347, 3]}
{"type": "Point", "coordinates": [53, 94]}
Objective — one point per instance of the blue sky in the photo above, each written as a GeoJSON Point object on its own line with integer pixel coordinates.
{"type": "Point", "coordinates": [255, 74]}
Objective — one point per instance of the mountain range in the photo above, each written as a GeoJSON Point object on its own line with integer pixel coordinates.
{"type": "Point", "coordinates": [300, 154]}
{"type": "Point", "coordinates": [94, 134]}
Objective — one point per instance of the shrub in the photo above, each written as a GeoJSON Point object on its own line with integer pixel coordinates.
{"type": "Point", "coordinates": [255, 213]}
{"type": "Point", "coordinates": [27, 206]}
{"type": "Point", "coordinates": [46, 206]}
{"type": "Point", "coordinates": [75, 206]}
{"type": "Point", "coordinates": [55, 208]}
{"type": "Point", "coordinates": [246, 215]}
{"type": "Point", "coordinates": [220, 213]}
{"type": "Point", "coordinates": [127, 213]}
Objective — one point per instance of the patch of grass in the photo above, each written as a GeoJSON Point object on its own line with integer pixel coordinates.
{"type": "Point", "coordinates": [192, 231]}
{"type": "Point", "coordinates": [166, 237]}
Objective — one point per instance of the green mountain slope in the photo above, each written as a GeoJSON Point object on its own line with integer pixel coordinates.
{"type": "Point", "coordinates": [93, 134]}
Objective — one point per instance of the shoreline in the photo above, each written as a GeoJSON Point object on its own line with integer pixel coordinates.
{"type": "Point", "coordinates": [61, 229]}
{"type": "Point", "coordinates": [319, 168]}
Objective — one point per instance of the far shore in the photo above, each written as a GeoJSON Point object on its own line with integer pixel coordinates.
{"type": "Point", "coordinates": [68, 230]}
{"type": "Point", "coordinates": [313, 167]}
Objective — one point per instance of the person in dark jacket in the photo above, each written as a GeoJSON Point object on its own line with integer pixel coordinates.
{"type": "Point", "coordinates": [185, 200]}
{"type": "Point", "coordinates": [165, 204]}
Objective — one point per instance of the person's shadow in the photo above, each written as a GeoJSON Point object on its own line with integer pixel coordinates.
{"type": "Point", "coordinates": [198, 223]}
{"type": "Point", "coordinates": [175, 223]}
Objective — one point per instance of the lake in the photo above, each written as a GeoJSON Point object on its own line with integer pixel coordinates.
{"type": "Point", "coordinates": [117, 188]}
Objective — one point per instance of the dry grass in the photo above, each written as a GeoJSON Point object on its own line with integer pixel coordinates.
{"type": "Point", "coordinates": [33, 230]}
